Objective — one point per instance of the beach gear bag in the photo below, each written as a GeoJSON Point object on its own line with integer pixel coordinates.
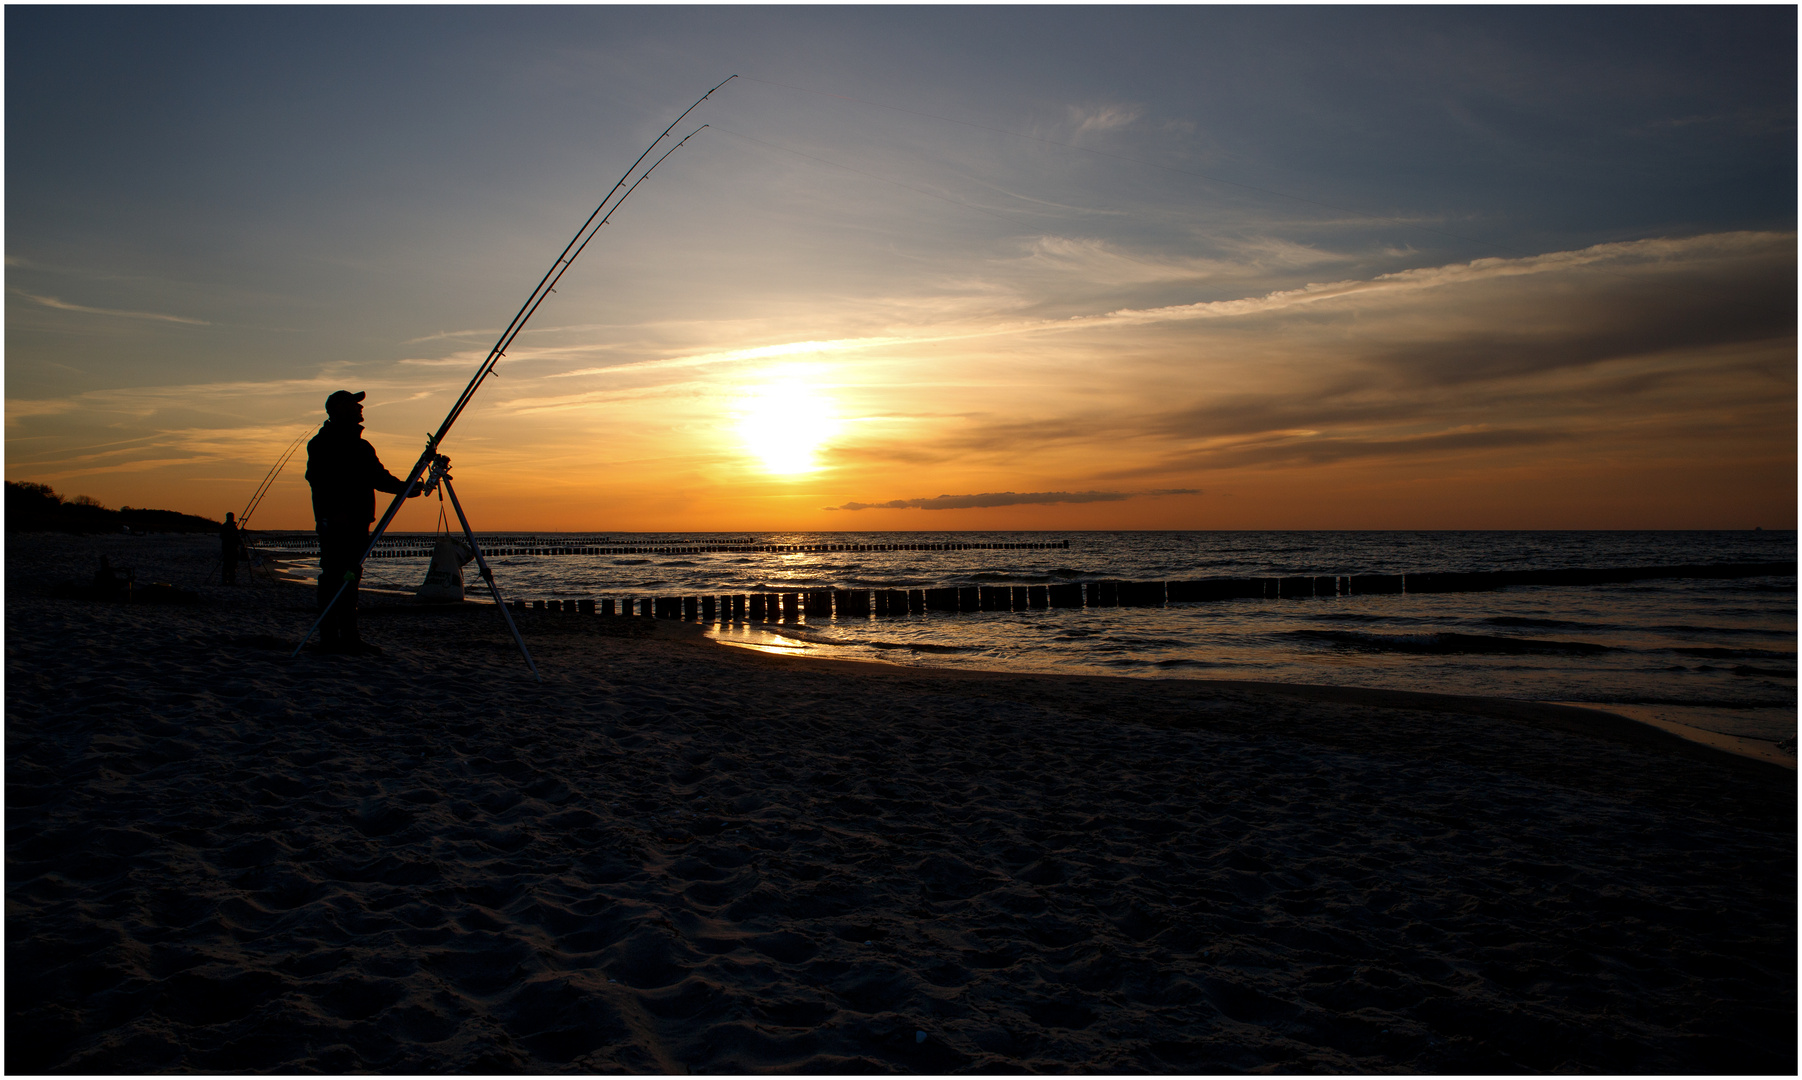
{"type": "Point", "coordinates": [444, 580]}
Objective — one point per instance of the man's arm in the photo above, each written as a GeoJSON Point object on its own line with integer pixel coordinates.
{"type": "Point", "coordinates": [392, 484]}
{"type": "Point", "coordinates": [383, 480]}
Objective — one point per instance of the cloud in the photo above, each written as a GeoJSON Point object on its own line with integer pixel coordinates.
{"type": "Point", "coordinates": [1103, 117]}
{"type": "Point", "coordinates": [443, 334]}
{"type": "Point", "coordinates": [1010, 498]}
{"type": "Point", "coordinates": [1314, 448]}
{"type": "Point", "coordinates": [305, 395]}
{"type": "Point", "coordinates": [1624, 256]}
{"type": "Point", "coordinates": [735, 356]}
{"type": "Point", "coordinates": [63, 305]}
{"type": "Point", "coordinates": [1586, 306]}
{"type": "Point", "coordinates": [1602, 347]}
{"type": "Point", "coordinates": [18, 408]}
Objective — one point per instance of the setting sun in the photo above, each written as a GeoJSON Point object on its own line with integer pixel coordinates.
{"type": "Point", "coordinates": [783, 426]}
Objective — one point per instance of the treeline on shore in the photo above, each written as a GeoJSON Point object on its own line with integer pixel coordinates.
{"type": "Point", "coordinates": [38, 508]}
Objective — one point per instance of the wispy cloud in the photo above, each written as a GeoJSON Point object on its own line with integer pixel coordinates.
{"type": "Point", "coordinates": [1315, 448]}
{"type": "Point", "coordinates": [444, 334]}
{"type": "Point", "coordinates": [1084, 119]}
{"type": "Point", "coordinates": [142, 402]}
{"type": "Point", "coordinates": [441, 361]}
{"type": "Point", "coordinates": [1626, 255]}
{"type": "Point", "coordinates": [63, 305]}
{"type": "Point", "coordinates": [1566, 349]}
{"type": "Point", "coordinates": [734, 356]}
{"type": "Point", "coordinates": [256, 446]}
{"type": "Point", "coordinates": [1010, 498]}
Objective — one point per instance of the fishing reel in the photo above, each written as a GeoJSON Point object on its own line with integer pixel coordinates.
{"type": "Point", "coordinates": [439, 470]}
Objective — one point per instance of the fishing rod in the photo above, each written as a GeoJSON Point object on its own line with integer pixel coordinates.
{"type": "Point", "coordinates": [256, 498]}
{"type": "Point", "coordinates": [546, 285]}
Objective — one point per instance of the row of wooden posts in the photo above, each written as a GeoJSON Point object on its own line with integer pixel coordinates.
{"type": "Point", "coordinates": [866, 603]}
{"type": "Point", "coordinates": [1033, 597]}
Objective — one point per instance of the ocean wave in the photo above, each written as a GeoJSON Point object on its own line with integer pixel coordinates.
{"type": "Point", "coordinates": [1165, 663]}
{"type": "Point", "coordinates": [1446, 643]}
{"type": "Point", "coordinates": [795, 633]}
{"type": "Point", "coordinates": [1735, 654]}
{"type": "Point", "coordinates": [1727, 631]}
{"type": "Point", "coordinates": [800, 634]}
{"type": "Point", "coordinates": [1520, 620]}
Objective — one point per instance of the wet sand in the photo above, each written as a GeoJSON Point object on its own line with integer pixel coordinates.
{"type": "Point", "coordinates": [676, 856]}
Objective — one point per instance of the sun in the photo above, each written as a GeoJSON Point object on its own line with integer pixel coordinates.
{"type": "Point", "coordinates": [783, 426]}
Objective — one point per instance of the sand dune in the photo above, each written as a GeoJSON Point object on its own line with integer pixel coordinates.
{"type": "Point", "coordinates": [675, 856]}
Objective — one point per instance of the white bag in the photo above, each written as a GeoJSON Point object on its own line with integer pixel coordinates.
{"type": "Point", "coordinates": [444, 581]}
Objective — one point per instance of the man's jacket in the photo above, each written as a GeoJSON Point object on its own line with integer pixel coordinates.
{"type": "Point", "coordinates": [346, 474]}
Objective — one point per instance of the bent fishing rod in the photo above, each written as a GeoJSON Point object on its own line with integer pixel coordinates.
{"type": "Point", "coordinates": [256, 498]}
{"type": "Point", "coordinates": [546, 285]}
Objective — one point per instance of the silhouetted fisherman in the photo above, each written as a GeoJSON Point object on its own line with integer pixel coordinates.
{"type": "Point", "coordinates": [345, 475]}
{"type": "Point", "coordinates": [228, 550]}
{"type": "Point", "coordinates": [110, 583]}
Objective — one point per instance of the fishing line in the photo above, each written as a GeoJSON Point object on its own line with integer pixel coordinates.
{"type": "Point", "coordinates": [1135, 161]}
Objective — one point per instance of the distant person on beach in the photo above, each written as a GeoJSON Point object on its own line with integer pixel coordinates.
{"type": "Point", "coordinates": [228, 550]}
{"type": "Point", "coordinates": [108, 581]}
{"type": "Point", "coordinates": [345, 475]}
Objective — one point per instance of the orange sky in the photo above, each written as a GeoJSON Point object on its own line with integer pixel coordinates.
{"type": "Point", "coordinates": [1639, 385]}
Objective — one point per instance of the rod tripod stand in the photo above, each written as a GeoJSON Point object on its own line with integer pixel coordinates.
{"type": "Point", "coordinates": [438, 475]}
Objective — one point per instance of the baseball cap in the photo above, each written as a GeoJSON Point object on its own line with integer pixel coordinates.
{"type": "Point", "coordinates": [342, 400]}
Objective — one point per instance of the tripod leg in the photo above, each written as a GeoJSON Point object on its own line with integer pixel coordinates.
{"type": "Point", "coordinates": [488, 576]}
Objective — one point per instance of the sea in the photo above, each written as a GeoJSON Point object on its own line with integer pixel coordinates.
{"type": "Point", "coordinates": [1719, 654]}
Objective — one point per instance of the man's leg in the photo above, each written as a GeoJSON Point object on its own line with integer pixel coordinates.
{"type": "Point", "coordinates": [349, 546]}
{"type": "Point", "coordinates": [333, 562]}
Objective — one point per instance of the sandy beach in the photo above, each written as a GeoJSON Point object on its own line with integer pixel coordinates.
{"type": "Point", "coordinates": [675, 856]}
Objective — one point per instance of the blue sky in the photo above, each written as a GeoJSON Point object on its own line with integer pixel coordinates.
{"type": "Point", "coordinates": [894, 266]}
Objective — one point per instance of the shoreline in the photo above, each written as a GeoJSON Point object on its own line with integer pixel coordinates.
{"type": "Point", "coordinates": [1768, 751]}
{"type": "Point", "coordinates": [1598, 720]}
{"type": "Point", "coordinates": [672, 855]}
